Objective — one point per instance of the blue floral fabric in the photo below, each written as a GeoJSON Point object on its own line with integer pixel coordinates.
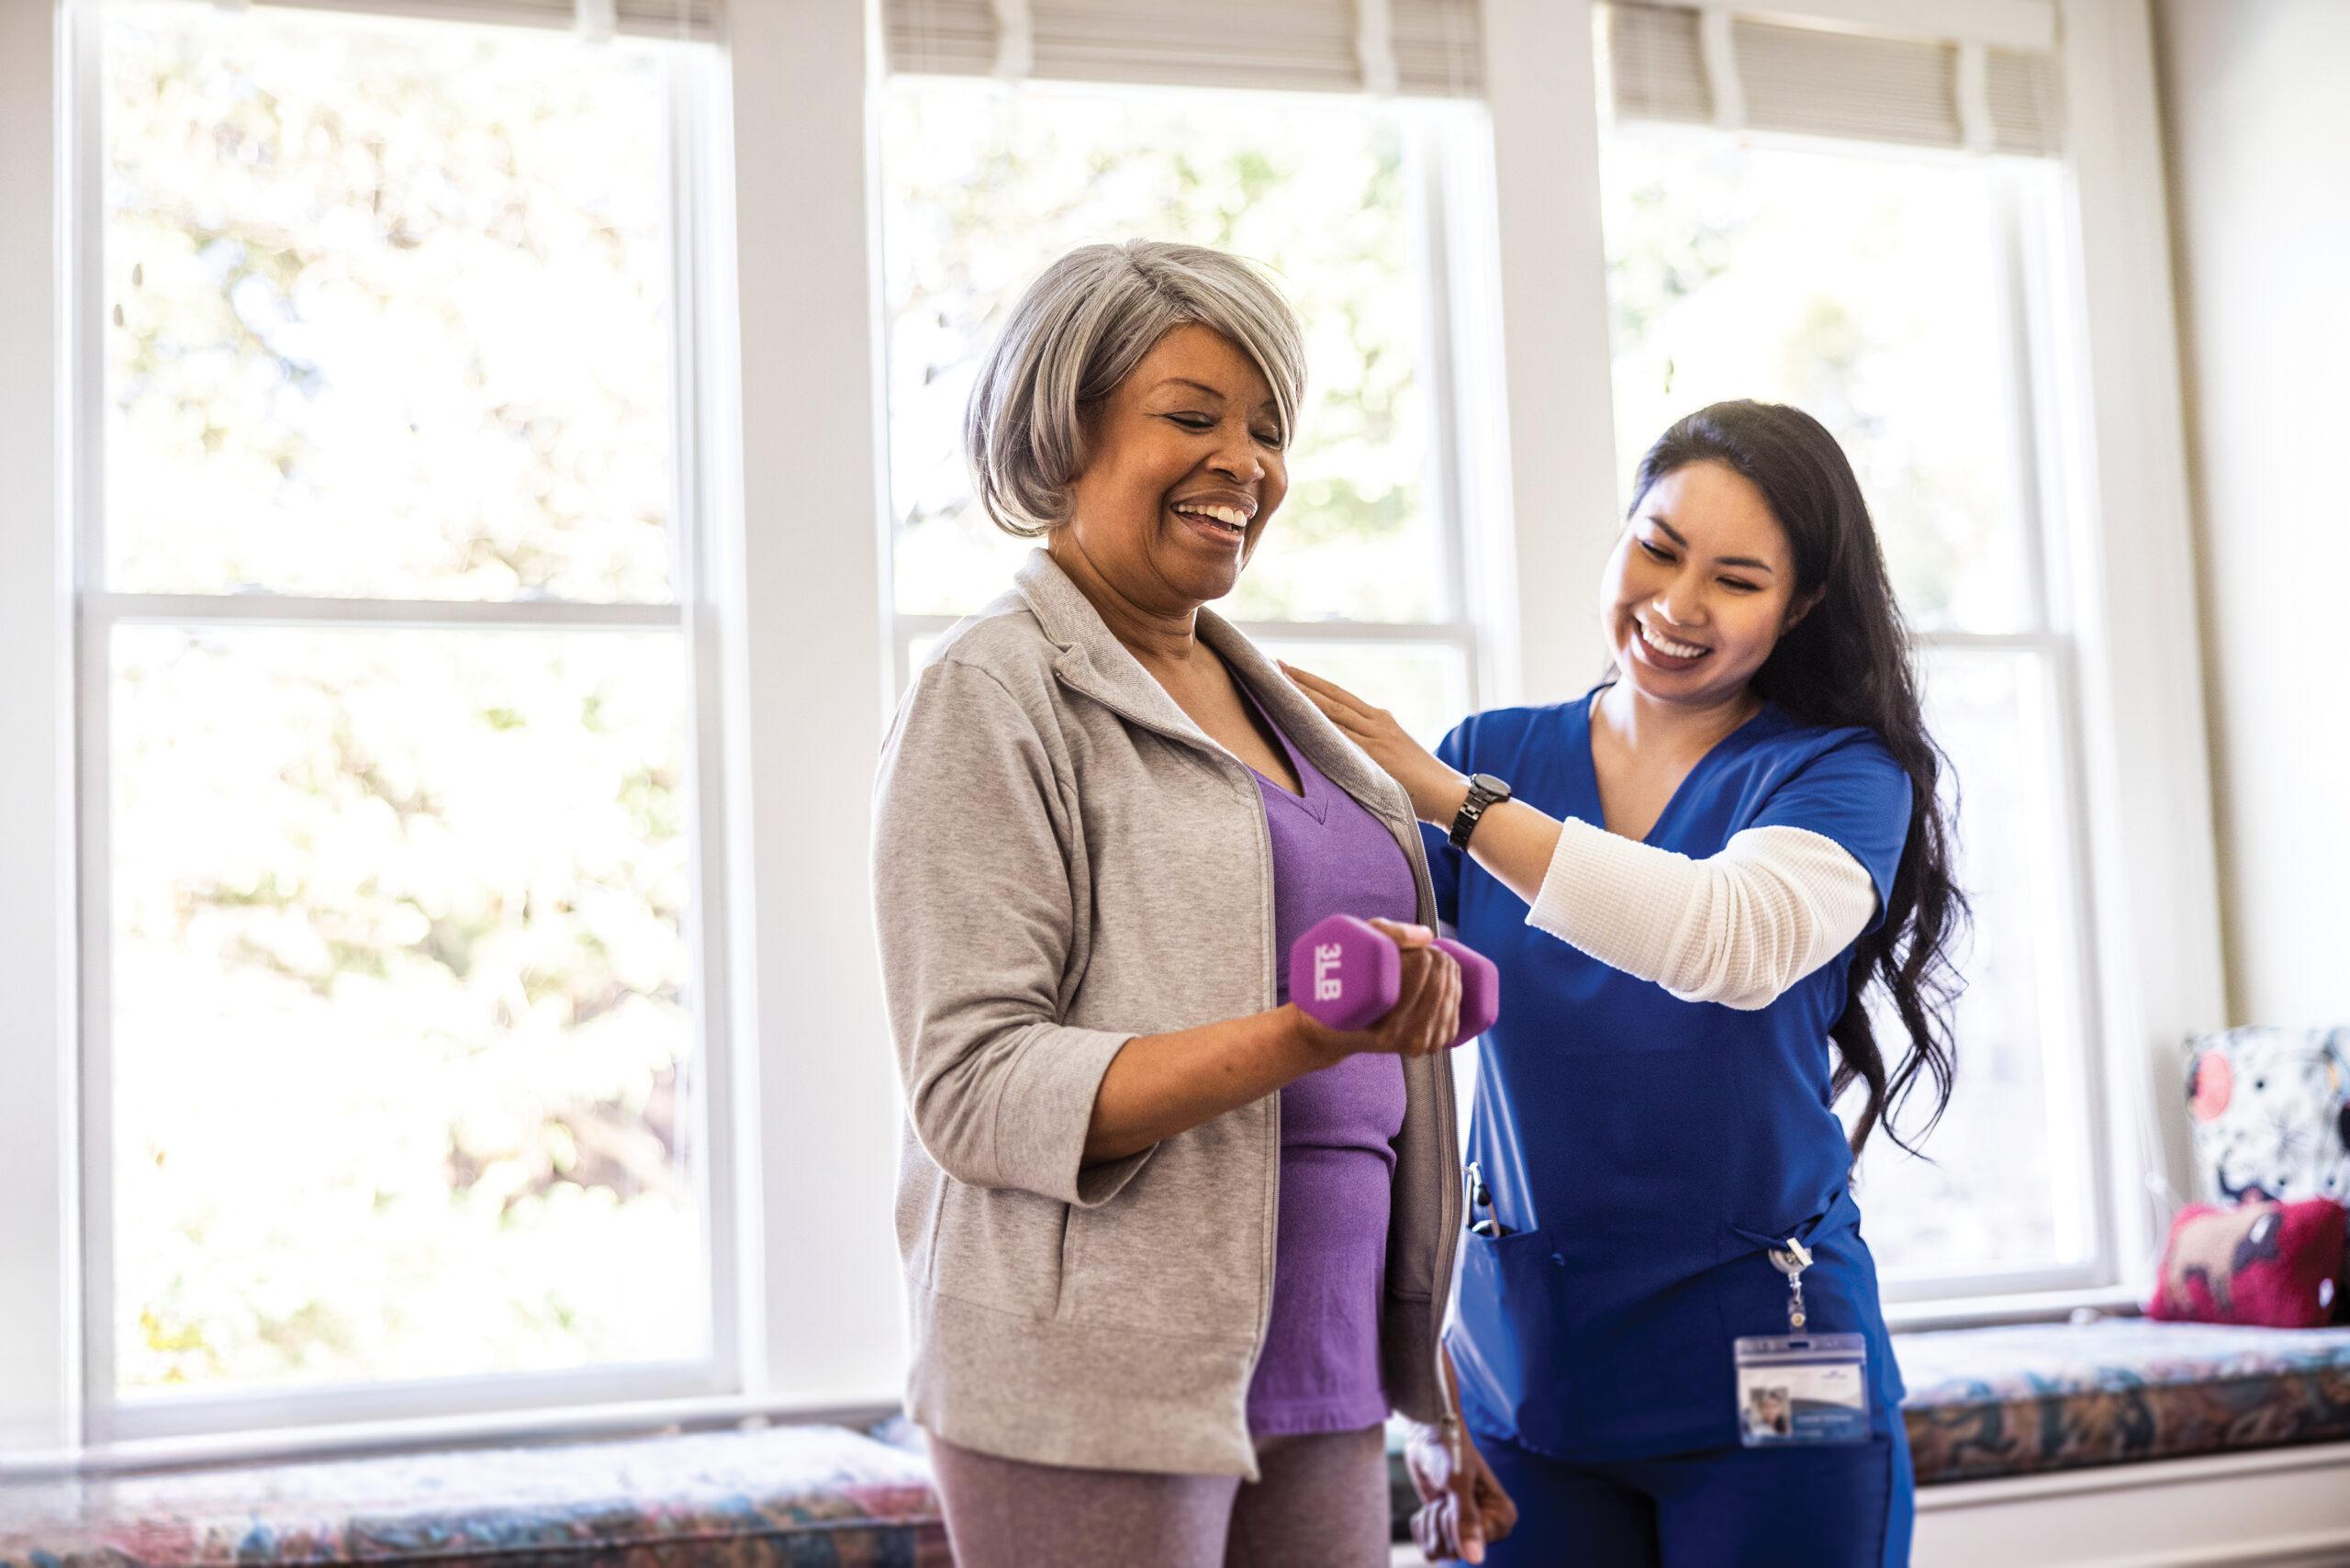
{"type": "Point", "coordinates": [2020, 1400]}
{"type": "Point", "coordinates": [775, 1498]}
{"type": "Point", "coordinates": [1982, 1403]}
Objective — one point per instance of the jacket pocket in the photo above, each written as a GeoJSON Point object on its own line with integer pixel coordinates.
{"type": "Point", "coordinates": [1072, 1217]}
{"type": "Point", "coordinates": [1001, 1248]}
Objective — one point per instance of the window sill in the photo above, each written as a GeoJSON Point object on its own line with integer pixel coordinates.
{"type": "Point", "coordinates": [2029, 1306]}
{"type": "Point", "coordinates": [351, 1439]}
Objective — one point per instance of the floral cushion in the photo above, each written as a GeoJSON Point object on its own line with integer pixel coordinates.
{"type": "Point", "coordinates": [2011, 1401]}
{"type": "Point", "coordinates": [2271, 1113]}
{"type": "Point", "coordinates": [777, 1497]}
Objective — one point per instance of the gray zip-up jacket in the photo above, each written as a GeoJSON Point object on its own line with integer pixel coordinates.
{"type": "Point", "coordinates": [1064, 860]}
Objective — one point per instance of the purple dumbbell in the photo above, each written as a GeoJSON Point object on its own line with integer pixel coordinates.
{"type": "Point", "coordinates": [1346, 974]}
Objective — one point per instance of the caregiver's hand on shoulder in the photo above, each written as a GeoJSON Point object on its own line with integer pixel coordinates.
{"type": "Point", "coordinates": [1436, 790]}
{"type": "Point", "coordinates": [1462, 1508]}
{"type": "Point", "coordinates": [1427, 1015]}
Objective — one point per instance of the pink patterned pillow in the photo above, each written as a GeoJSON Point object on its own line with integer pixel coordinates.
{"type": "Point", "coordinates": [2264, 1263]}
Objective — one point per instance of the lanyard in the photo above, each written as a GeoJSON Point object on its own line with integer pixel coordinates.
{"type": "Point", "coordinates": [1792, 1261]}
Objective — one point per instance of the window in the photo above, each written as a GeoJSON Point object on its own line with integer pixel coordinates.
{"type": "Point", "coordinates": [395, 967]}
{"type": "Point", "coordinates": [1902, 290]}
{"type": "Point", "coordinates": [367, 556]}
{"type": "Point", "coordinates": [1359, 575]}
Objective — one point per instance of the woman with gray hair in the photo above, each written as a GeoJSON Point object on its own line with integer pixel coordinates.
{"type": "Point", "coordinates": [1173, 1248]}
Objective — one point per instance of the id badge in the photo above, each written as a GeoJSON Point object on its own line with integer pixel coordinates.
{"type": "Point", "coordinates": [1803, 1388]}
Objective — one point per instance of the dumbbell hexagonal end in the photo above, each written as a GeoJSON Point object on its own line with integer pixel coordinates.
{"type": "Point", "coordinates": [1344, 974]}
{"type": "Point", "coordinates": [1481, 989]}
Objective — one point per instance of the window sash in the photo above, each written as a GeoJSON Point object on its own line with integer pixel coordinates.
{"type": "Point", "coordinates": [107, 1415]}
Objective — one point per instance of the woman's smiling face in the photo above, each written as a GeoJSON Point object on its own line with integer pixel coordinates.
{"type": "Point", "coordinates": [1184, 468]}
{"type": "Point", "coordinates": [1700, 589]}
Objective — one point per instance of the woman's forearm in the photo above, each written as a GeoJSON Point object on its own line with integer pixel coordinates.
{"type": "Point", "coordinates": [1159, 1085]}
{"type": "Point", "coordinates": [1513, 840]}
{"type": "Point", "coordinates": [1737, 927]}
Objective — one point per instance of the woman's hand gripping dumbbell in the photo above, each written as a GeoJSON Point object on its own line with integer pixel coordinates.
{"type": "Point", "coordinates": [1414, 994]}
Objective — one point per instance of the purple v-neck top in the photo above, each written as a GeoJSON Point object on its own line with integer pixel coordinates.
{"type": "Point", "coordinates": [1319, 1369]}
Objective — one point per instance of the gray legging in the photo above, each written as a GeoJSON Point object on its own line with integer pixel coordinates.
{"type": "Point", "coordinates": [1320, 1499]}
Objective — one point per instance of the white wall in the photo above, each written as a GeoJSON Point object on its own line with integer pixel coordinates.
{"type": "Point", "coordinates": [2257, 119]}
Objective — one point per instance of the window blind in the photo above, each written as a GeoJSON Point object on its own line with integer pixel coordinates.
{"type": "Point", "coordinates": [1677, 64]}
{"type": "Point", "coordinates": [695, 19]}
{"type": "Point", "coordinates": [1422, 48]}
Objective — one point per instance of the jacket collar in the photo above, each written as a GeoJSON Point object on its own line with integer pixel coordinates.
{"type": "Point", "coordinates": [1093, 661]}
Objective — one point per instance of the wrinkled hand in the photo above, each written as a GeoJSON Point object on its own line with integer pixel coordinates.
{"type": "Point", "coordinates": [1426, 1014]}
{"type": "Point", "coordinates": [1462, 1508]}
{"type": "Point", "coordinates": [1436, 790]}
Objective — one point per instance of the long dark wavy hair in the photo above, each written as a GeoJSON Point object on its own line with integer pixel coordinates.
{"type": "Point", "coordinates": [1848, 662]}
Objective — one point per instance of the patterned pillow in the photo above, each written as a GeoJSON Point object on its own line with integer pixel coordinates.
{"type": "Point", "coordinates": [2269, 1264]}
{"type": "Point", "coordinates": [2271, 1109]}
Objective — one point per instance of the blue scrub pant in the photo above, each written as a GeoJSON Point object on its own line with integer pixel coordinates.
{"type": "Point", "coordinates": [1845, 1505]}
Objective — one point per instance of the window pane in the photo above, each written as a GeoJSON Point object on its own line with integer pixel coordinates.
{"type": "Point", "coordinates": [983, 188]}
{"type": "Point", "coordinates": [1867, 289]}
{"type": "Point", "coordinates": [2008, 1182]}
{"type": "Point", "coordinates": [347, 266]}
{"type": "Point", "coordinates": [401, 1043]}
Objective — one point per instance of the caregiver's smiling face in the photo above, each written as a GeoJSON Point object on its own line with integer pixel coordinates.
{"type": "Point", "coordinates": [1700, 588]}
{"type": "Point", "coordinates": [1185, 467]}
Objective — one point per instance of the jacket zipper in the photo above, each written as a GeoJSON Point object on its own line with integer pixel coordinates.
{"type": "Point", "coordinates": [1223, 761]}
{"type": "Point", "coordinates": [1448, 1211]}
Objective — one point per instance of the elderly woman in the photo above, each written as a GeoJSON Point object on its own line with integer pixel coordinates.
{"type": "Point", "coordinates": [1173, 1249]}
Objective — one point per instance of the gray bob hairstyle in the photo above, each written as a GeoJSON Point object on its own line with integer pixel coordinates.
{"type": "Point", "coordinates": [1080, 329]}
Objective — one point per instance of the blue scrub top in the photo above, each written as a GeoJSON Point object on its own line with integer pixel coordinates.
{"type": "Point", "coordinates": [1644, 1151]}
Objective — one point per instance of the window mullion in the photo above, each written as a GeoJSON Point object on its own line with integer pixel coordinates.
{"type": "Point", "coordinates": [2013, 280]}
{"type": "Point", "coordinates": [712, 1155]}
{"type": "Point", "coordinates": [1427, 228]}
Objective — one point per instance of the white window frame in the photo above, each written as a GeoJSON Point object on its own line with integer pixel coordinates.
{"type": "Point", "coordinates": [2118, 627]}
{"type": "Point", "coordinates": [39, 1323]}
{"type": "Point", "coordinates": [110, 1417]}
{"type": "Point", "coordinates": [2076, 1078]}
{"type": "Point", "coordinates": [788, 640]}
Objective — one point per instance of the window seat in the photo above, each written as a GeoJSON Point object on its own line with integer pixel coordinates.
{"type": "Point", "coordinates": [2030, 1399]}
{"type": "Point", "coordinates": [779, 1496]}
{"type": "Point", "coordinates": [1984, 1402]}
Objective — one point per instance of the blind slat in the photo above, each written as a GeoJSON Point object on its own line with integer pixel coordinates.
{"type": "Point", "coordinates": [2027, 111]}
{"type": "Point", "coordinates": [1821, 83]}
{"type": "Point", "coordinates": [1825, 81]}
{"type": "Point", "coordinates": [1299, 45]}
{"type": "Point", "coordinates": [1656, 66]}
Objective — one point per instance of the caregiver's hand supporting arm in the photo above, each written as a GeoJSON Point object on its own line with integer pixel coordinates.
{"type": "Point", "coordinates": [1160, 1085]}
{"type": "Point", "coordinates": [1737, 928]}
{"type": "Point", "coordinates": [1514, 841]}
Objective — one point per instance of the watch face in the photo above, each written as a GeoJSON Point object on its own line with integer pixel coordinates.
{"type": "Point", "coordinates": [1486, 784]}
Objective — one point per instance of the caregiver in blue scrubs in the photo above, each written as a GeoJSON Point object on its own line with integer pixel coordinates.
{"type": "Point", "coordinates": [1696, 881]}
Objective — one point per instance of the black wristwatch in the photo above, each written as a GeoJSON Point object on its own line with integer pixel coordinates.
{"type": "Point", "coordinates": [1485, 792]}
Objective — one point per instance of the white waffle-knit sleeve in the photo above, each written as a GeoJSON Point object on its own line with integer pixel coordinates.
{"type": "Point", "coordinates": [1739, 927]}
